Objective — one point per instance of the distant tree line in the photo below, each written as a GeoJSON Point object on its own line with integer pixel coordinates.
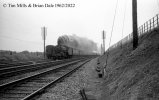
{"type": "Point", "coordinates": [8, 52]}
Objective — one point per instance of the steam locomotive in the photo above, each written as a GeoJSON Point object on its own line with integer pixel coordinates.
{"type": "Point", "coordinates": [61, 52]}
{"type": "Point", "coordinates": [67, 47]}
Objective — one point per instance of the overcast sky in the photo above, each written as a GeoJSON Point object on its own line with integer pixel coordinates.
{"type": "Point", "coordinates": [20, 28]}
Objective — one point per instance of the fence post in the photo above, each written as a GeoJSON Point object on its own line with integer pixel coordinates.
{"type": "Point", "coordinates": [144, 28]}
{"type": "Point", "coordinates": [139, 31]}
{"type": "Point", "coordinates": [153, 22]}
{"type": "Point", "coordinates": [147, 26]}
{"type": "Point", "coordinates": [150, 25]}
{"type": "Point", "coordinates": [157, 20]}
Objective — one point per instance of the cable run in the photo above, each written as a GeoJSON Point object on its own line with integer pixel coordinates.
{"type": "Point", "coordinates": [111, 33]}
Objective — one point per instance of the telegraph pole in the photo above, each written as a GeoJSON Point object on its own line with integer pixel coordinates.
{"type": "Point", "coordinates": [103, 41]}
{"type": "Point", "coordinates": [101, 49]}
{"type": "Point", "coordinates": [44, 42]}
{"type": "Point", "coordinates": [44, 37]}
{"type": "Point", "coordinates": [134, 17]}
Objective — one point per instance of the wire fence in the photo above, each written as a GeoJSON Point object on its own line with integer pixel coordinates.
{"type": "Point", "coordinates": [145, 28]}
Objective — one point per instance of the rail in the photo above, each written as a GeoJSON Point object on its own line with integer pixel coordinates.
{"type": "Point", "coordinates": [82, 92]}
{"type": "Point", "coordinates": [38, 83]}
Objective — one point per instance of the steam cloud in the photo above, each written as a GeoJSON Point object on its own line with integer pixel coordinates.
{"type": "Point", "coordinates": [80, 43]}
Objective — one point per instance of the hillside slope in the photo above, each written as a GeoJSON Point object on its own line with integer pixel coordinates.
{"type": "Point", "coordinates": [133, 74]}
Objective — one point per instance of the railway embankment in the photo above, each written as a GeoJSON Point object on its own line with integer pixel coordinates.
{"type": "Point", "coordinates": [133, 74]}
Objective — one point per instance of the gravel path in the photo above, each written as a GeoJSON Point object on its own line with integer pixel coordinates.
{"type": "Point", "coordinates": [86, 77]}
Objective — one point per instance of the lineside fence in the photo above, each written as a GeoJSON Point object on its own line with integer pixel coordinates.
{"type": "Point", "coordinates": [145, 28]}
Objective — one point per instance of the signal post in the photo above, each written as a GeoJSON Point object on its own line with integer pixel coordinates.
{"type": "Point", "coordinates": [44, 33]}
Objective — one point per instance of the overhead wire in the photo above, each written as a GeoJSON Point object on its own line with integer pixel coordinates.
{"type": "Point", "coordinates": [111, 33]}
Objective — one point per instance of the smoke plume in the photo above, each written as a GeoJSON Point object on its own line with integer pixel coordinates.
{"type": "Point", "coordinates": [77, 42]}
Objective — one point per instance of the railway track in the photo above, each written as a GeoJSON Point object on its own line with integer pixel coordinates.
{"type": "Point", "coordinates": [17, 70]}
{"type": "Point", "coordinates": [12, 64]}
{"type": "Point", "coordinates": [31, 86]}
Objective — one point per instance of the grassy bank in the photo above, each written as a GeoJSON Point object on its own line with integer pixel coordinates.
{"type": "Point", "coordinates": [133, 74]}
